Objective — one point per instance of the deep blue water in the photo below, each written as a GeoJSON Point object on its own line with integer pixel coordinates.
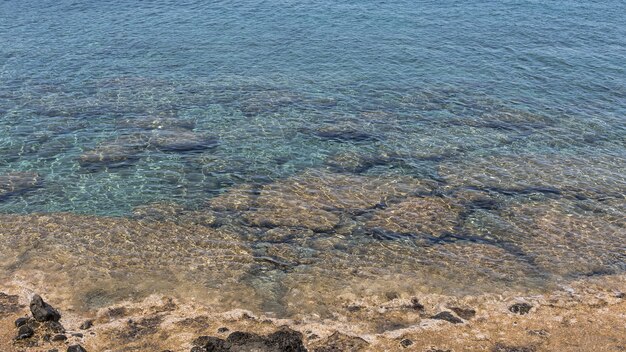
{"type": "Point", "coordinates": [427, 81]}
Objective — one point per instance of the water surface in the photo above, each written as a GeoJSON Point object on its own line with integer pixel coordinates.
{"type": "Point", "coordinates": [304, 149]}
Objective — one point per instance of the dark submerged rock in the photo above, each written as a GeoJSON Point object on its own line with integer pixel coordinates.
{"type": "Point", "coordinates": [222, 330]}
{"type": "Point", "coordinates": [520, 308]}
{"type": "Point", "coordinates": [42, 311]}
{"type": "Point", "coordinates": [76, 348]}
{"type": "Point", "coordinates": [24, 332]}
{"type": "Point", "coordinates": [18, 182]}
{"type": "Point", "coordinates": [182, 141]}
{"type": "Point", "coordinates": [447, 316]}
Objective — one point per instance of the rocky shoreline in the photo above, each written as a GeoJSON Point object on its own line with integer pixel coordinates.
{"type": "Point", "coordinates": [587, 315]}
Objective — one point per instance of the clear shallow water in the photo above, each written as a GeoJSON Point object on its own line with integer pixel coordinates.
{"type": "Point", "coordinates": [499, 109]}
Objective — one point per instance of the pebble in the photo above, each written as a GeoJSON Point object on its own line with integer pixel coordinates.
{"type": "Point", "coordinates": [24, 332]}
{"type": "Point", "coordinates": [86, 325]}
{"type": "Point", "coordinates": [520, 308]}
{"type": "Point", "coordinates": [447, 316]}
{"type": "Point", "coordinates": [406, 343]}
{"type": "Point", "coordinates": [20, 321]}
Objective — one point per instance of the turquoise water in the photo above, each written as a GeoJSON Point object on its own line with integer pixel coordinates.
{"type": "Point", "coordinates": [424, 80]}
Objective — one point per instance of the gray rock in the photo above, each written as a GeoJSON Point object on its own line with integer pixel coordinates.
{"type": "Point", "coordinates": [76, 348]}
{"type": "Point", "coordinates": [24, 332]}
{"type": "Point", "coordinates": [42, 311]}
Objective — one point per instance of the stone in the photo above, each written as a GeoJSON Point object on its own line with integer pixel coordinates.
{"type": "Point", "coordinates": [222, 330]}
{"type": "Point", "coordinates": [583, 175]}
{"type": "Point", "coordinates": [42, 311]}
{"type": "Point", "coordinates": [316, 200]}
{"type": "Point", "coordinates": [87, 324]}
{"type": "Point", "coordinates": [59, 337]}
{"type": "Point", "coordinates": [406, 343]}
{"type": "Point", "coordinates": [520, 308]}
{"type": "Point", "coordinates": [447, 316]}
{"type": "Point", "coordinates": [24, 332]}
{"type": "Point", "coordinates": [20, 321]}
{"type": "Point", "coordinates": [416, 305]}
{"type": "Point", "coordinates": [76, 348]}
{"type": "Point", "coordinates": [464, 313]}
{"type": "Point", "coordinates": [54, 326]}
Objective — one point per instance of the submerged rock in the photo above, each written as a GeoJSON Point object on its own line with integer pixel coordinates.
{"type": "Point", "coordinates": [316, 200]}
{"type": "Point", "coordinates": [575, 175]}
{"type": "Point", "coordinates": [42, 311]}
{"type": "Point", "coordinates": [115, 153]}
{"type": "Point", "coordinates": [18, 182]}
{"type": "Point", "coordinates": [432, 216]}
{"type": "Point", "coordinates": [237, 198]}
{"type": "Point", "coordinates": [561, 237]}
{"type": "Point", "coordinates": [157, 123]}
{"type": "Point", "coordinates": [182, 141]}
{"type": "Point", "coordinates": [157, 211]}
{"type": "Point", "coordinates": [353, 162]}
{"type": "Point", "coordinates": [267, 101]}
{"type": "Point", "coordinates": [343, 133]}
